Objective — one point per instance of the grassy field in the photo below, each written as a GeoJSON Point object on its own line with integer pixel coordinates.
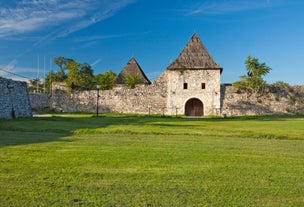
{"type": "Point", "coordinates": [80, 160]}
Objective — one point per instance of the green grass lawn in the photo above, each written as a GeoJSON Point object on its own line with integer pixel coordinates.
{"type": "Point", "coordinates": [152, 161]}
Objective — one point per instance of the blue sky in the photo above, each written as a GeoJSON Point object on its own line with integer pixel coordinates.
{"type": "Point", "coordinates": [107, 33]}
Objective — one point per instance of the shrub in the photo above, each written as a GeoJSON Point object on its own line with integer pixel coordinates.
{"type": "Point", "coordinates": [131, 80]}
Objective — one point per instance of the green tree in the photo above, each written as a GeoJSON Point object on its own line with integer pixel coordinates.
{"type": "Point", "coordinates": [253, 81]}
{"type": "Point", "coordinates": [79, 76]}
{"type": "Point", "coordinates": [35, 85]}
{"type": "Point", "coordinates": [49, 78]}
{"type": "Point", "coordinates": [106, 80]}
{"type": "Point", "coordinates": [73, 80]}
{"type": "Point", "coordinates": [52, 77]}
{"type": "Point", "coordinates": [131, 80]}
{"type": "Point", "coordinates": [60, 76]}
{"type": "Point", "coordinates": [62, 63]}
{"type": "Point", "coordinates": [86, 76]}
{"type": "Point", "coordinates": [75, 75]}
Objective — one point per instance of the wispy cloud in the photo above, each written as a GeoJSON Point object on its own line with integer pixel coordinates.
{"type": "Point", "coordinates": [10, 71]}
{"type": "Point", "coordinates": [25, 16]}
{"type": "Point", "coordinates": [98, 37]}
{"type": "Point", "coordinates": [230, 6]}
{"type": "Point", "coordinates": [42, 21]}
{"type": "Point", "coordinates": [95, 62]}
{"type": "Point", "coordinates": [93, 39]}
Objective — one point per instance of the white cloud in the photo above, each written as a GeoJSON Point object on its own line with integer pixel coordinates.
{"type": "Point", "coordinates": [37, 15]}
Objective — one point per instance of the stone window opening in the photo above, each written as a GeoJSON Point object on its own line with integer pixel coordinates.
{"type": "Point", "coordinates": [203, 85]}
{"type": "Point", "coordinates": [185, 85]}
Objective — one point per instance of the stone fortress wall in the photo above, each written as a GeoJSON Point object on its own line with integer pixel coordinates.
{"type": "Point", "coordinates": [144, 99]}
{"type": "Point", "coordinates": [273, 100]}
{"type": "Point", "coordinates": [14, 99]}
{"type": "Point", "coordinates": [189, 86]}
{"type": "Point", "coordinates": [152, 99]}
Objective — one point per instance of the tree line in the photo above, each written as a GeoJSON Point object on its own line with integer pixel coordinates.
{"type": "Point", "coordinates": [79, 76]}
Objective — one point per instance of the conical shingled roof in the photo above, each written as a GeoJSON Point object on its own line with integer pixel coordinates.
{"type": "Point", "coordinates": [133, 68]}
{"type": "Point", "coordinates": [194, 56]}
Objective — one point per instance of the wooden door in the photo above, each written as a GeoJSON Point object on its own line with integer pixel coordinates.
{"type": "Point", "coordinates": [194, 107]}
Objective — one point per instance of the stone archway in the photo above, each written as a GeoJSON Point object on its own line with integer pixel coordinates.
{"type": "Point", "coordinates": [194, 107]}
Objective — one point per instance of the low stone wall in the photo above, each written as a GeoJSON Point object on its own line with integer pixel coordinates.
{"type": "Point", "coordinates": [14, 99]}
{"type": "Point", "coordinates": [40, 102]}
{"type": "Point", "coordinates": [152, 99]}
{"type": "Point", "coordinates": [273, 100]}
{"type": "Point", "coordinates": [144, 99]}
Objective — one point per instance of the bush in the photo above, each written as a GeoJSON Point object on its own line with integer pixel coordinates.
{"type": "Point", "coordinates": [280, 84]}
{"type": "Point", "coordinates": [131, 80]}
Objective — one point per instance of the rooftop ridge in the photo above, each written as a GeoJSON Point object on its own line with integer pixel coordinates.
{"type": "Point", "coordinates": [194, 56]}
{"type": "Point", "coordinates": [133, 68]}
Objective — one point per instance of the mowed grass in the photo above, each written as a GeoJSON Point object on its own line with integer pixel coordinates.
{"type": "Point", "coordinates": [152, 161]}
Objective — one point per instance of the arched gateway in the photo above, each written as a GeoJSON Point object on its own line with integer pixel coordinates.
{"type": "Point", "coordinates": [194, 107]}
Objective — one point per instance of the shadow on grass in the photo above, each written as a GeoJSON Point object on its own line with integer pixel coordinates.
{"type": "Point", "coordinates": [23, 131]}
{"type": "Point", "coordinates": [14, 138]}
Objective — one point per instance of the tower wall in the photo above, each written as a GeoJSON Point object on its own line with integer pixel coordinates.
{"type": "Point", "coordinates": [201, 84]}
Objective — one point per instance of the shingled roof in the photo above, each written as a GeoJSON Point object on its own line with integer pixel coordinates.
{"type": "Point", "coordinates": [194, 56]}
{"type": "Point", "coordinates": [133, 68]}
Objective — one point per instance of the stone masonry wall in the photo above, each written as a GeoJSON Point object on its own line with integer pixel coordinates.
{"type": "Point", "coordinates": [159, 98]}
{"type": "Point", "coordinates": [142, 100]}
{"type": "Point", "coordinates": [40, 101]}
{"type": "Point", "coordinates": [273, 100]}
{"type": "Point", "coordinates": [14, 99]}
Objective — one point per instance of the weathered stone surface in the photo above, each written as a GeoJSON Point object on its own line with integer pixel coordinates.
{"type": "Point", "coordinates": [178, 96]}
{"type": "Point", "coordinates": [144, 99]}
{"type": "Point", "coordinates": [40, 102]}
{"type": "Point", "coordinates": [14, 99]}
{"type": "Point", "coordinates": [159, 98]}
{"type": "Point", "coordinates": [273, 100]}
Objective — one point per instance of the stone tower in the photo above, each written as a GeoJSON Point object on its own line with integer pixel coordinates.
{"type": "Point", "coordinates": [193, 81]}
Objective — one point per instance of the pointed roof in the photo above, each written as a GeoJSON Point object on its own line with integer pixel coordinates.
{"type": "Point", "coordinates": [133, 68]}
{"type": "Point", "coordinates": [194, 56]}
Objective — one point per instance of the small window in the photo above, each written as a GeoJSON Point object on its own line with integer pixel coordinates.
{"type": "Point", "coordinates": [185, 85]}
{"type": "Point", "coordinates": [203, 85]}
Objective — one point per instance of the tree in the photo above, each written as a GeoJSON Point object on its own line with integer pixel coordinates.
{"type": "Point", "coordinates": [60, 76]}
{"type": "Point", "coordinates": [35, 85]}
{"type": "Point", "coordinates": [49, 78]}
{"type": "Point", "coordinates": [86, 76]}
{"type": "Point", "coordinates": [73, 80]}
{"type": "Point", "coordinates": [253, 81]}
{"type": "Point", "coordinates": [52, 77]}
{"type": "Point", "coordinates": [106, 80]}
{"type": "Point", "coordinates": [75, 75]}
{"type": "Point", "coordinates": [131, 80]}
{"type": "Point", "coordinates": [62, 63]}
